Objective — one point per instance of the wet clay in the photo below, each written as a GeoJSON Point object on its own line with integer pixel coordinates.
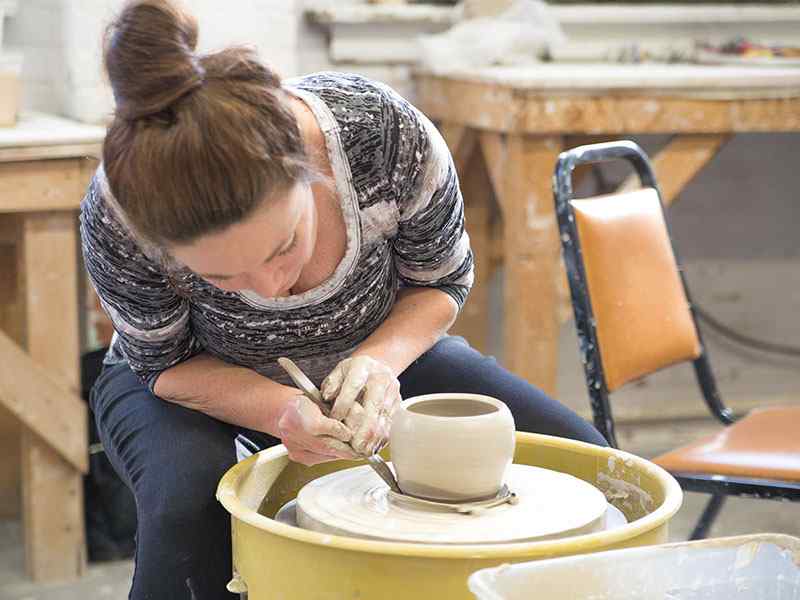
{"type": "Point", "coordinates": [355, 502]}
{"type": "Point", "coordinates": [453, 407]}
{"type": "Point", "coordinates": [452, 447]}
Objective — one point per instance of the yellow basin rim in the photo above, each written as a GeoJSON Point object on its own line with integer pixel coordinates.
{"type": "Point", "coordinates": [673, 497]}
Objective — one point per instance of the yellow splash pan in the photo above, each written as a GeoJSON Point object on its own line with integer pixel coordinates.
{"type": "Point", "coordinates": [277, 561]}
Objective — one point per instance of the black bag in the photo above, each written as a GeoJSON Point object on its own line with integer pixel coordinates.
{"type": "Point", "coordinates": [110, 509]}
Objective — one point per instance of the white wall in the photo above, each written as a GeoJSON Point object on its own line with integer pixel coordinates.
{"type": "Point", "coordinates": [61, 42]}
{"type": "Point", "coordinates": [314, 54]}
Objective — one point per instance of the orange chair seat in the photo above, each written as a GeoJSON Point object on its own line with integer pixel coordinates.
{"type": "Point", "coordinates": [763, 445]}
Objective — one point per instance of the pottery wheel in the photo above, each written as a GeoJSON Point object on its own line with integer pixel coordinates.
{"type": "Point", "coordinates": [355, 502]}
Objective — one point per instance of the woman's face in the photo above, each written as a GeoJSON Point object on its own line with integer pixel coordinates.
{"type": "Point", "coordinates": [265, 253]}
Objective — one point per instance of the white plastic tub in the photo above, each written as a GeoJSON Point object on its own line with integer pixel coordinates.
{"type": "Point", "coordinates": [752, 567]}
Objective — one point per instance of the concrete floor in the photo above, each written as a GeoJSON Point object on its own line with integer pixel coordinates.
{"type": "Point", "coordinates": [106, 581]}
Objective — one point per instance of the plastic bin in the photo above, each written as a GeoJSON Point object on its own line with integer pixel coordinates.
{"type": "Point", "coordinates": [751, 567]}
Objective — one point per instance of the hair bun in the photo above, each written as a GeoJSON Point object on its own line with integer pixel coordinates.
{"type": "Point", "coordinates": [149, 56]}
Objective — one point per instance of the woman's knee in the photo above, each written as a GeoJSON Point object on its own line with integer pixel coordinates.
{"type": "Point", "coordinates": [182, 496]}
{"type": "Point", "coordinates": [447, 367]}
{"type": "Point", "coordinates": [453, 366]}
{"type": "Point", "coordinates": [152, 442]}
{"type": "Point", "coordinates": [536, 412]}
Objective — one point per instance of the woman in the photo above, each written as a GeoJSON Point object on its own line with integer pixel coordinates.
{"type": "Point", "coordinates": [236, 219]}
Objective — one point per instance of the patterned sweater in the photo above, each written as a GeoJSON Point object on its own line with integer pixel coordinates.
{"type": "Point", "coordinates": [404, 216]}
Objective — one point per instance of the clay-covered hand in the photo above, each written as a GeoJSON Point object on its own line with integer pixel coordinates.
{"type": "Point", "coordinates": [365, 394]}
{"type": "Point", "coordinates": [311, 437]}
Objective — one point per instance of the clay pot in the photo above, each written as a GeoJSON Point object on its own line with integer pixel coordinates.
{"type": "Point", "coordinates": [452, 447]}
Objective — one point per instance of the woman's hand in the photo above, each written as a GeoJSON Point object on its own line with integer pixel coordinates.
{"type": "Point", "coordinates": [310, 437]}
{"type": "Point", "coordinates": [364, 393]}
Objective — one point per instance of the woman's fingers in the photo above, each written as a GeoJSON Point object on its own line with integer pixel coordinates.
{"type": "Point", "coordinates": [332, 428]}
{"type": "Point", "coordinates": [382, 433]}
{"type": "Point", "coordinates": [329, 445]}
{"type": "Point", "coordinates": [357, 373]}
{"type": "Point", "coordinates": [322, 446]}
{"type": "Point", "coordinates": [381, 397]}
{"type": "Point", "coordinates": [333, 382]}
{"type": "Point", "coordinates": [364, 392]}
{"type": "Point", "coordinates": [391, 404]}
{"type": "Point", "coordinates": [355, 417]}
{"type": "Point", "coordinates": [393, 401]}
{"type": "Point", "coordinates": [309, 436]}
{"type": "Point", "coordinates": [305, 457]}
{"type": "Point", "coordinates": [316, 449]}
{"type": "Point", "coordinates": [306, 416]}
{"type": "Point", "coordinates": [374, 394]}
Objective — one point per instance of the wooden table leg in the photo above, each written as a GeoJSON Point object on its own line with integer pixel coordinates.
{"type": "Point", "coordinates": [473, 322]}
{"type": "Point", "coordinates": [52, 489]}
{"type": "Point", "coordinates": [680, 161]}
{"type": "Point", "coordinates": [52, 495]}
{"type": "Point", "coordinates": [523, 169]}
{"type": "Point", "coordinates": [12, 322]}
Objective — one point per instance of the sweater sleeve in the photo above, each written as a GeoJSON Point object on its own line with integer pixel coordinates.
{"type": "Point", "coordinates": [431, 246]}
{"type": "Point", "coordinates": [151, 320]}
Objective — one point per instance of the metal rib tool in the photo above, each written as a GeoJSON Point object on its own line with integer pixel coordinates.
{"type": "Point", "coordinates": [478, 507]}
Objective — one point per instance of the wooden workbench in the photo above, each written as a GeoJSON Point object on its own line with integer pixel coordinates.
{"type": "Point", "coordinates": [518, 117]}
{"type": "Point", "coordinates": [45, 163]}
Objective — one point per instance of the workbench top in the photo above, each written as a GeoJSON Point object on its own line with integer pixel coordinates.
{"type": "Point", "coordinates": [39, 129]}
{"type": "Point", "coordinates": [742, 81]}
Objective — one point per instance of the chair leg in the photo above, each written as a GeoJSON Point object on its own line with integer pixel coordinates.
{"type": "Point", "coordinates": [707, 518]}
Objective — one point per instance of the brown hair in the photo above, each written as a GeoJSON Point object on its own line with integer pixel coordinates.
{"type": "Point", "coordinates": [197, 141]}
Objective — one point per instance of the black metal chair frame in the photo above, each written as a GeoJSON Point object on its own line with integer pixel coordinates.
{"type": "Point", "coordinates": [718, 486]}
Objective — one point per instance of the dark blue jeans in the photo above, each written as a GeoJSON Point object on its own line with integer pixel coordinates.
{"type": "Point", "coordinates": [172, 459]}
